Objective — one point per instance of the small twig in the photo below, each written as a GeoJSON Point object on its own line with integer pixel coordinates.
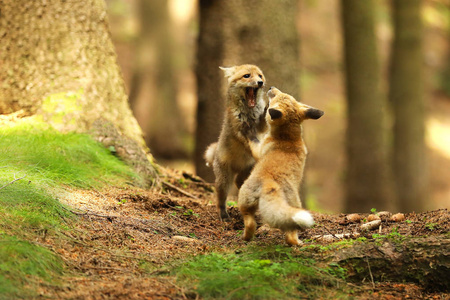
{"type": "Point", "coordinates": [370, 273]}
{"type": "Point", "coordinates": [330, 232]}
{"type": "Point", "coordinates": [179, 190]}
{"type": "Point", "coordinates": [16, 179]}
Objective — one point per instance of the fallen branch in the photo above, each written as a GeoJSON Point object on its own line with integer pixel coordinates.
{"type": "Point", "coordinates": [423, 260]}
{"type": "Point", "coordinates": [169, 185]}
{"type": "Point", "coordinates": [15, 179]}
{"type": "Point", "coordinates": [371, 225]}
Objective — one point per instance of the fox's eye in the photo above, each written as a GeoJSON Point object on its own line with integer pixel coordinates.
{"type": "Point", "coordinates": [260, 76]}
{"type": "Point", "coordinates": [246, 76]}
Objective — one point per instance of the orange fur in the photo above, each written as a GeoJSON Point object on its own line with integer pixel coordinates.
{"type": "Point", "coordinates": [273, 186]}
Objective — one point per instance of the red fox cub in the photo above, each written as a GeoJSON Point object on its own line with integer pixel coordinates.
{"type": "Point", "coordinates": [244, 119]}
{"type": "Point", "coordinates": [273, 185]}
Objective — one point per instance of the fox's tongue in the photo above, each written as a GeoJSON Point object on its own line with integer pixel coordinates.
{"type": "Point", "coordinates": [251, 97]}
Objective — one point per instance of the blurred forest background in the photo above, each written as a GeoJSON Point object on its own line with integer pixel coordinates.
{"type": "Point", "coordinates": [170, 50]}
{"type": "Point", "coordinates": [380, 69]}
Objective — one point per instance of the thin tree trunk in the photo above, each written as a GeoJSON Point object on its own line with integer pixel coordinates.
{"type": "Point", "coordinates": [407, 98]}
{"type": "Point", "coordinates": [154, 83]}
{"type": "Point", "coordinates": [210, 105]}
{"type": "Point", "coordinates": [445, 77]}
{"type": "Point", "coordinates": [366, 181]}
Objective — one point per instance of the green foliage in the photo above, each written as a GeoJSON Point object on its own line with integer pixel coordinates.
{"type": "Point", "coordinates": [394, 236]}
{"type": "Point", "coordinates": [259, 273]}
{"type": "Point", "coordinates": [231, 203]}
{"type": "Point", "coordinates": [431, 226]}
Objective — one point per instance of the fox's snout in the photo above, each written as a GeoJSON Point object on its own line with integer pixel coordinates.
{"type": "Point", "coordinates": [260, 83]}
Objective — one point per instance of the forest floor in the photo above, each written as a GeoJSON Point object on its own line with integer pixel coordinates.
{"type": "Point", "coordinates": [126, 241]}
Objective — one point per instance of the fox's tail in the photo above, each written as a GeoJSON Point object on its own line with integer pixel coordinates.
{"type": "Point", "coordinates": [283, 216]}
{"type": "Point", "coordinates": [209, 154]}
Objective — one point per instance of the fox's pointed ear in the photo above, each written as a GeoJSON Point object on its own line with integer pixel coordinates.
{"type": "Point", "coordinates": [228, 71]}
{"type": "Point", "coordinates": [275, 113]}
{"type": "Point", "coordinates": [273, 91]}
{"type": "Point", "coordinates": [313, 113]}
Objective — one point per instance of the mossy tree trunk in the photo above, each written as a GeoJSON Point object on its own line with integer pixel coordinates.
{"type": "Point", "coordinates": [210, 105]}
{"type": "Point", "coordinates": [58, 63]}
{"type": "Point", "coordinates": [366, 180]}
{"type": "Point", "coordinates": [406, 95]}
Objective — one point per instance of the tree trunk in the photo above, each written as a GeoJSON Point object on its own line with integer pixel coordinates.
{"type": "Point", "coordinates": [265, 33]}
{"type": "Point", "coordinates": [445, 76]}
{"type": "Point", "coordinates": [366, 181]}
{"type": "Point", "coordinates": [406, 95]}
{"type": "Point", "coordinates": [58, 62]}
{"type": "Point", "coordinates": [235, 32]}
{"type": "Point", "coordinates": [154, 83]}
{"type": "Point", "coordinates": [210, 105]}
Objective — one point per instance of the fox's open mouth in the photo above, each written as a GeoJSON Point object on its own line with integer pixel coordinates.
{"type": "Point", "coordinates": [250, 96]}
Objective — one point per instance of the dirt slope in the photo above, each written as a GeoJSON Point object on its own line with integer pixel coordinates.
{"type": "Point", "coordinates": [123, 235]}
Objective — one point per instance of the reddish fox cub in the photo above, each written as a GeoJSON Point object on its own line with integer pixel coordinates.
{"type": "Point", "coordinates": [244, 119]}
{"type": "Point", "coordinates": [274, 183]}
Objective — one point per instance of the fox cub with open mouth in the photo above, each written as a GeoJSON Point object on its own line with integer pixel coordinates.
{"type": "Point", "coordinates": [244, 120]}
{"type": "Point", "coordinates": [274, 183]}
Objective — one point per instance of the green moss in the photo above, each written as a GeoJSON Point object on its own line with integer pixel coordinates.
{"type": "Point", "coordinates": [22, 264]}
{"type": "Point", "coordinates": [46, 155]}
{"type": "Point", "coordinates": [57, 106]}
{"type": "Point", "coordinates": [259, 273]}
{"type": "Point", "coordinates": [35, 161]}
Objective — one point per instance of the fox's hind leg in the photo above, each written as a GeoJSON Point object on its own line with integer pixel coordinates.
{"type": "Point", "coordinates": [292, 238]}
{"type": "Point", "coordinates": [248, 203]}
{"type": "Point", "coordinates": [248, 214]}
{"type": "Point", "coordinates": [224, 179]}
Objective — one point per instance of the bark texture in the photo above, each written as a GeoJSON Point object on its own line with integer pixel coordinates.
{"type": "Point", "coordinates": [210, 105]}
{"type": "Point", "coordinates": [366, 181]}
{"type": "Point", "coordinates": [58, 62]}
{"type": "Point", "coordinates": [406, 95]}
{"type": "Point", "coordinates": [265, 33]}
{"type": "Point", "coordinates": [425, 261]}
